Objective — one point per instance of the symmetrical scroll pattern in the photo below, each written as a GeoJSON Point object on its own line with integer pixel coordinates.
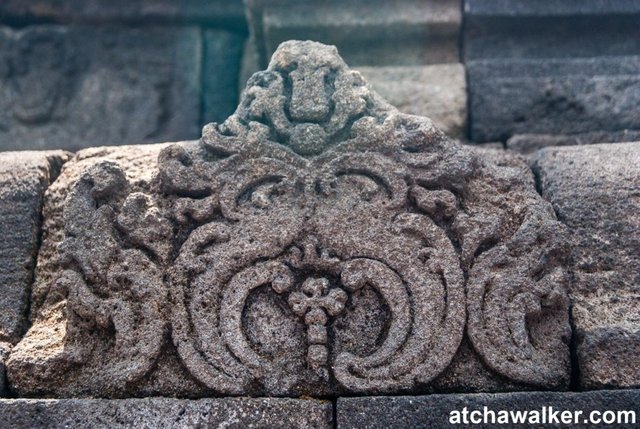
{"type": "Point", "coordinates": [316, 254]}
{"type": "Point", "coordinates": [313, 194]}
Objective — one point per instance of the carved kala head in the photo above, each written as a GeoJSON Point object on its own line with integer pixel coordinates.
{"type": "Point", "coordinates": [316, 242]}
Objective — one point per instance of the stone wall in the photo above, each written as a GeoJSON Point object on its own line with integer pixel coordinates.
{"type": "Point", "coordinates": [319, 247]}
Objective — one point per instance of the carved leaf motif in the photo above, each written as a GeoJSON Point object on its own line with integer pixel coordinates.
{"type": "Point", "coordinates": [515, 300]}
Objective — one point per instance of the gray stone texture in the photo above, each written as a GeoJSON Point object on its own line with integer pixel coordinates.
{"type": "Point", "coordinates": [78, 86]}
{"type": "Point", "coordinates": [24, 178]}
{"type": "Point", "coordinates": [437, 91]}
{"type": "Point", "coordinates": [166, 413]}
{"type": "Point", "coordinates": [315, 243]}
{"type": "Point", "coordinates": [595, 190]}
{"type": "Point", "coordinates": [552, 96]}
{"type": "Point", "coordinates": [530, 143]}
{"type": "Point", "coordinates": [434, 411]}
{"type": "Point", "coordinates": [137, 162]}
{"type": "Point", "coordinates": [550, 28]}
{"type": "Point", "coordinates": [221, 69]}
{"type": "Point", "coordinates": [407, 32]}
{"type": "Point", "coordinates": [5, 348]}
{"type": "Point", "coordinates": [219, 12]}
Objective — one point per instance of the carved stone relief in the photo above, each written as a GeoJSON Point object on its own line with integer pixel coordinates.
{"type": "Point", "coordinates": [76, 86]}
{"type": "Point", "coordinates": [317, 242]}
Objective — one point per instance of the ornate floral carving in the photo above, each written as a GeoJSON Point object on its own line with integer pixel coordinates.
{"type": "Point", "coordinates": [314, 198]}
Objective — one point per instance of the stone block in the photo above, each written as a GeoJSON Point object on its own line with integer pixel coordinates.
{"type": "Point", "coordinates": [222, 60]}
{"type": "Point", "coordinates": [24, 178]}
{"type": "Point", "coordinates": [166, 413]}
{"type": "Point", "coordinates": [595, 192]}
{"type": "Point", "coordinates": [227, 13]}
{"type": "Point", "coordinates": [436, 91]}
{"type": "Point", "coordinates": [73, 87]}
{"type": "Point", "coordinates": [315, 243]}
{"type": "Point", "coordinates": [550, 29]}
{"type": "Point", "coordinates": [441, 411]}
{"type": "Point", "coordinates": [530, 143]}
{"type": "Point", "coordinates": [552, 96]}
{"type": "Point", "coordinates": [407, 32]}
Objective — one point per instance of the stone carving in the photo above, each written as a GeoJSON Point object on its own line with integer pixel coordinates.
{"type": "Point", "coordinates": [73, 86]}
{"type": "Point", "coordinates": [316, 242]}
{"type": "Point", "coordinates": [36, 74]}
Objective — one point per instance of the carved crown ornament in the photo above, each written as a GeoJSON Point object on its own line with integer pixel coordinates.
{"type": "Point", "coordinates": [316, 242]}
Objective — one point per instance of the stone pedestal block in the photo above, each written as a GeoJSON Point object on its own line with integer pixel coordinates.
{"type": "Point", "coordinates": [73, 87]}
{"type": "Point", "coordinates": [595, 190]}
{"type": "Point", "coordinates": [436, 91]}
{"type": "Point", "coordinates": [553, 96]}
{"type": "Point", "coordinates": [166, 413]}
{"type": "Point", "coordinates": [24, 178]}
{"type": "Point", "coordinates": [407, 32]}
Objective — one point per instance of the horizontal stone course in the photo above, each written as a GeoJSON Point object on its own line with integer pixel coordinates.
{"type": "Point", "coordinates": [551, 67]}
{"type": "Point", "coordinates": [595, 190]}
{"type": "Point", "coordinates": [552, 96]}
{"type": "Point", "coordinates": [434, 411]}
{"type": "Point", "coordinates": [407, 32]}
{"type": "Point", "coordinates": [166, 413]}
{"type": "Point", "coordinates": [547, 29]}
{"type": "Point", "coordinates": [549, 7]}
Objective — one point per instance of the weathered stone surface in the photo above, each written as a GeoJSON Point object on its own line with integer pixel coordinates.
{"type": "Point", "coordinates": [222, 59]}
{"type": "Point", "coordinates": [552, 96]}
{"type": "Point", "coordinates": [166, 413]}
{"type": "Point", "coordinates": [407, 32]}
{"type": "Point", "coordinates": [435, 411]}
{"type": "Point", "coordinates": [4, 353]}
{"type": "Point", "coordinates": [530, 143]}
{"type": "Point", "coordinates": [218, 12]}
{"type": "Point", "coordinates": [317, 242]}
{"type": "Point", "coordinates": [24, 177]}
{"type": "Point", "coordinates": [74, 87]}
{"type": "Point", "coordinates": [168, 378]}
{"type": "Point", "coordinates": [550, 28]}
{"type": "Point", "coordinates": [436, 91]}
{"type": "Point", "coordinates": [595, 190]}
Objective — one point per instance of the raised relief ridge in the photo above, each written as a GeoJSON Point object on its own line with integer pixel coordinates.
{"type": "Point", "coordinates": [317, 242]}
